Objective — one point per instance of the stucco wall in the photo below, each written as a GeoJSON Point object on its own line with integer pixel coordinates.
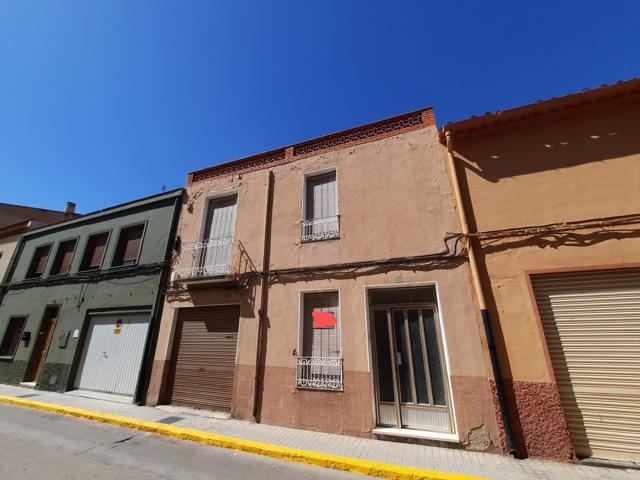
{"type": "Point", "coordinates": [7, 247]}
{"type": "Point", "coordinates": [557, 169]}
{"type": "Point", "coordinates": [76, 302]}
{"type": "Point", "coordinates": [79, 295]}
{"type": "Point", "coordinates": [394, 200]}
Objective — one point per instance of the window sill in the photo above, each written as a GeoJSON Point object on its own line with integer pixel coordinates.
{"type": "Point", "coordinates": [58, 275]}
{"type": "Point", "coordinates": [7, 357]}
{"type": "Point", "coordinates": [421, 434]}
{"type": "Point", "coordinates": [121, 267]}
{"type": "Point", "coordinates": [314, 240]}
{"type": "Point", "coordinates": [89, 270]}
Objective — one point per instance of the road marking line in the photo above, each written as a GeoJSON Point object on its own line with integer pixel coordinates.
{"type": "Point", "coordinates": [347, 464]}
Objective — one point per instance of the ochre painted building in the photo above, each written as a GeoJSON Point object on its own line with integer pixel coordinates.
{"type": "Point", "coordinates": [317, 287]}
{"type": "Point", "coordinates": [17, 219]}
{"type": "Point", "coordinates": [553, 190]}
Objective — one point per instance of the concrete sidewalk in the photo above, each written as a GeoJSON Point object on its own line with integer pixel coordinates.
{"type": "Point", "coordinates": [423, 457]}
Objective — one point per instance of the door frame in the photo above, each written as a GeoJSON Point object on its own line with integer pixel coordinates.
{"type": "Point", "coordinates": [52, 330]}
{"type": "Point", "coordinates": [439, 310]}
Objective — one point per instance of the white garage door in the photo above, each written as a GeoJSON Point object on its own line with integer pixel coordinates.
{"type": "Point", "coordinates": [112, 354]}
{"type": "Point", "coordinates": [591, 322]}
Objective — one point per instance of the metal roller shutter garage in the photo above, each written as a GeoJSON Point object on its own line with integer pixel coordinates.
{"type": "Point", "coordinates": [591, 322]}
{"type": "Point", "coordinates": [204, 354]}
{"type": "Point", "coordinates": [112, 354]}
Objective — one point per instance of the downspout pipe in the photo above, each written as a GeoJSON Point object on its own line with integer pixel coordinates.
{"type": "Point", "coordinates": [477, 284]}
{"type": "Point", "coordinates": [263, 317]}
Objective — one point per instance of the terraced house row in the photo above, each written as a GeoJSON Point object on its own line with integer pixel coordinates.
{"type": "Point", "coordinates": [475, 286]}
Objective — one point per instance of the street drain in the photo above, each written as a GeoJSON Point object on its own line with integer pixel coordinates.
{"type": "Point", "coordinates": [170, 420]}
{"type": "Point", "coordinates": [28, 395]}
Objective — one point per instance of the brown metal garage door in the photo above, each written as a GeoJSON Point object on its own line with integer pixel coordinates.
{"type": "Point", "coordinates": [591, 322]}
{"type": "Point", "coordinates": [204, 354]}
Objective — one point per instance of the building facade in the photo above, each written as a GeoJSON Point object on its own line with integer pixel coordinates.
{"type": "Point", "coordinates": [82, 299]}
{"type": "Point", "coordinates": [552, 196]}
{"type": "Point", "coordinates": [17, 219]}
{"type": "Point", "coordinates": [317, 287]}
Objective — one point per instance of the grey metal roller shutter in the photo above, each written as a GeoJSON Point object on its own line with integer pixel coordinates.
{"type": "Point", "coordinates": [204, 353]}
{"type": "Point", "coordinates": [591, 322]}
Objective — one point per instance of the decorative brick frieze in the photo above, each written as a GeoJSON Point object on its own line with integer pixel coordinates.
{"type": "Point", "coordinates": [354, 136]}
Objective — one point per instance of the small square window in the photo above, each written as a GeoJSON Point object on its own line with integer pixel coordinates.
{"type": "Point", "coordinates": [39, 261]}
{"type": "Point", "coordinates": [128, 246]}
{"type": "Point", "coordinates": [94, 252]}
{"type": "Point", "coordinates": [12, 336]}
{"type": "Point", "coordinates": [63, 258]}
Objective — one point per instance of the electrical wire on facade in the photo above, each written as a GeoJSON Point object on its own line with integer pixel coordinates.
{"type": "Point", "coordinates": [93, 277]}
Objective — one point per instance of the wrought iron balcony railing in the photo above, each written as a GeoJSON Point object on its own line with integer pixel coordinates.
{"type": "Point", "coordinates": [215, 257]}
{"type": "Point", "coordinates": [320, 228]}
{"type": "Point", "coordinates": [319, 373]}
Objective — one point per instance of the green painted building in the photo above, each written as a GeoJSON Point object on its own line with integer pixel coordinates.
{"type": "Point", "coordinates": [82, 299]}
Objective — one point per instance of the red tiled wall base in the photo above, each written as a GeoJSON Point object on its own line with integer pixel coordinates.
{"type": "Point", "coordinates": [539, 422]}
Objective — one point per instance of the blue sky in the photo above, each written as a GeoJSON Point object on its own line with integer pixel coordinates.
{"type": "Point", "coordinates": [106, 101]}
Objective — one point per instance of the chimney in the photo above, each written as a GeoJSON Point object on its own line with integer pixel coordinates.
{"type": "Point", "coordinates": [70, 209]}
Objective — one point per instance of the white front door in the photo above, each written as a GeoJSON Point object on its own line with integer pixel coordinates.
{"type": "Point", "coordinates": [112, 354]}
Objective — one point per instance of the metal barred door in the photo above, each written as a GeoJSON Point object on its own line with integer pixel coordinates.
{"type": "Point", "coordinates": [204, 354]}
{"type": "Point", "coordinates": [591, 322]}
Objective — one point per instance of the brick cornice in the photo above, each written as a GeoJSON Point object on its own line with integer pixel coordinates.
{"type": "Point", "coordinates": [335, 141]}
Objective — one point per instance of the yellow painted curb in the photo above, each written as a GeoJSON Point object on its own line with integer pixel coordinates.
{"type": "Point", "coordinates": [354, 465]}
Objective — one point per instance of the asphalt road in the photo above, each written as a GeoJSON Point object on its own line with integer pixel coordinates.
{"type": "Point", "coordinates": [36, 445]}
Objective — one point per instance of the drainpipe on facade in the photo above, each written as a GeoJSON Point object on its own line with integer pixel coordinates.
{"type": "Point", "coordinates": [488, 331]}
{"type": "Point", "coordinates": [263, 318]}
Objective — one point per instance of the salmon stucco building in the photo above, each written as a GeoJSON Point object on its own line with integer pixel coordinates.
{"type": "Point", "coordinates": [550, 193]}
{"type": "Point", "coordinates": [317, 286]}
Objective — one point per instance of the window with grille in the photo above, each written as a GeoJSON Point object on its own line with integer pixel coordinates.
{"type": "Point", "coordinates": [12, 336]}
{"type": "Point", "coordinates": [94, 252]}
{"type": "Point", "coordinates": [38, 262]}
{"type": "Point", "coordinates": [320, 363]}
{"type": "Point", "coordinates": [321, 220]}
{"type": "Point", "coordinates": [63, 258]}
{"type": "Point", "coordinates": [128, 246]}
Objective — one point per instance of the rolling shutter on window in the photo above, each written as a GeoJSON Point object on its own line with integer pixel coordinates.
{"type": "Point", "coordinates": [219, 227]}
{"type": "Point", "coordinates": [97, 246]}
{"type": "Point", "coordinates": [591, 322]}
{"type": "Point", "coordinates": [12, 336]}
{"type": "Point", "coordinates": [221, 218]}
{"type": "Point", "coordinates": [324, 341]}
{"type": "Point", "coordinates": [130, 243]}
{"type": "Point", "coordinates": [321, 201]}
{"type": "Point", "coordinates": [65, 256]}
{"type": "Point", "coordinates": [40, 260]}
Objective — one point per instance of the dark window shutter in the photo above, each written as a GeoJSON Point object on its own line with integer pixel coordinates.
{"type": "Point", "coordinates": [12, 336]}
{"type": "Point", "coordinates": [129, 245]}
{"type": "Point", "coordinates": [64, 256]}
{"type": "Point", "coordinates": [96, 246]}
{"type": "Point", "coordinates": [39, 261]}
